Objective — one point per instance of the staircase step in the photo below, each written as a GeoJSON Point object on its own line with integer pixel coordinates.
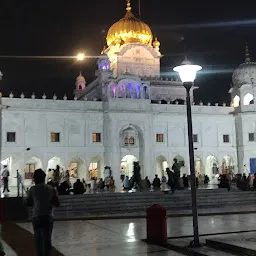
{"type": "Point", "coordinates": [237, 249]}
{"type": "Point", "coordinates": [209, 251]}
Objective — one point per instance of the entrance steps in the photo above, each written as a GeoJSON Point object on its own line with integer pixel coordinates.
{"type": "Point", "coordinates": [73, 206]}
{"type": "Point", "coordinates": [241, 243]}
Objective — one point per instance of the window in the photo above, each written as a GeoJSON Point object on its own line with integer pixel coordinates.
{"type": "Point", "coordinates": [251, 136]}
{"type": "Point", "coordinates": [55, 137]}
{"type": "Point", "coordinates": [11, 136]}
{"type": "Point", "coordinates": [226, 138]}
{"type": "Point", "coordinates": [29, 171]}
{"type": "Point", "coordinates": [195, 138]}
{"type": "Point", "coordinates": [160, 137]}
{"type": "Point", "coordinates": [96, 137]}
{"type": "Point", "coordinates": [129, 140]}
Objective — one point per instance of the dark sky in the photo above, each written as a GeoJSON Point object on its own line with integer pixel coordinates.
{"type": "Point", "coordinates": [215, 33]}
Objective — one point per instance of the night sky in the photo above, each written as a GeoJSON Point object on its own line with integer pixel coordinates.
{"type": "Point", "coordinates": [214, 35]}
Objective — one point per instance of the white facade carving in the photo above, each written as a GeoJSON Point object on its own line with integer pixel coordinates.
{"type": "Point", "coordinates": [129, 110]}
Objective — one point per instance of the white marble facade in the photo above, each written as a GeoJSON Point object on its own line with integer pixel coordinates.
{"type": "Point", "coordinates": [118, 118]}
{"type": "Point", "coordinates": [33, 121]}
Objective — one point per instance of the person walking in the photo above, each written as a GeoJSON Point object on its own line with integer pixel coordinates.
{"type": "Point", "coordinates": [42, 198]}
{"type": "Point", "coordinates": [19, 184]}
{"type": "Point", "coordinates": [5, 176]}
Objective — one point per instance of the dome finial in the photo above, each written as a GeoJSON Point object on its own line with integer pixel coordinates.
{"type": "Point", "coordinates": [247, 54]}
{"type": "Point", "coordinates": [128, 8]}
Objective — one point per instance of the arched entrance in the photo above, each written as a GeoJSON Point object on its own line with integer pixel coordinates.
{"type": "Point", "coordinates": [212, 169]}
{"type": "Point", "coordinates": [227, 164]}
{"type": "Point", "coordinates": [6, 161]}
{"type": "Point", "coordinates": [126, 166]}
{"type": "Point", "coordinates": [95, 168]}
{"type": "Point", "coordinates": [53, 162]}
{"type": "Point", "coordinates": [30, 166]}
{"type": "Point", "coordinates": [181, 162]}
{"type": "Point", "coordinates": [161, 165]}
{"type": "Point", "coordinates": [198, 166]}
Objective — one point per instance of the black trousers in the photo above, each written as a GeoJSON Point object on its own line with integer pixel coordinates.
{"type": "Point", "coordinates": [43, 226]}
{"type": "Point", "coordinates": [6, 187]}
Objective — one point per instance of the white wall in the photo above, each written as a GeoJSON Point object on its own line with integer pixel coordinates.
{"type": "Point", "coordinates": [34, 119]}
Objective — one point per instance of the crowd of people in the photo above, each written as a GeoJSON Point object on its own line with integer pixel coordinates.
{"type": "Point", "coordinates": [61, 181]}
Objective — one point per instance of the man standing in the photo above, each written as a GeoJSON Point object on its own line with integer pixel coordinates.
{"type": "Point", "coordinates": [5, 176]}
{"type": "Point", "coordinates": [42, 198]}
{"type": "Point", "coordinates": [176, 170]}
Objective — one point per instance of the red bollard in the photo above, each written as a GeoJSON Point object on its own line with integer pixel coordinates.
{"type": "Point", "coordinates": [156, 225]}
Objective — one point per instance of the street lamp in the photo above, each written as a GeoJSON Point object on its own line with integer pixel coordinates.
{"type": "Point", "coordinates": [187, 72]}
{"type": "Point", "coordinates": [80, 56]}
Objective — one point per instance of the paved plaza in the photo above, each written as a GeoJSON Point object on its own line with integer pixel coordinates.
{"type": "Point", "coordinates": [123, 237]}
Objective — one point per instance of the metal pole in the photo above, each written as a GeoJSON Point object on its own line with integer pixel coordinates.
{"type": "Point", "coordinates": [139, 9]}
{"type": "Point", "coordinates": [192, 167]}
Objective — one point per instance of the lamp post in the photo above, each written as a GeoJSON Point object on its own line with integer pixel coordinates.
{"type": "Point", "coordinates": [80, 56]}
{"type": "Point", "coordinates": [187, 72]}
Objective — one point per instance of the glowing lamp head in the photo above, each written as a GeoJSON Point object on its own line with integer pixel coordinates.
{"type": "Point", "coordinates": [187, 71]}
{"type": "Point", "coordinates": [80, 56]}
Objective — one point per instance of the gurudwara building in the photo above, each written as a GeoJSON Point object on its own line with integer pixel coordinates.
{"type": "Point", "coordinates": [120, 117]}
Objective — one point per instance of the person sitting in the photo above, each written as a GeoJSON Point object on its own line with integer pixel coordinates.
{"type": "Point", "coordinates": [206, 180]}
{"type": "Point", "coordinates": [147, 184]}
{"type": "Point", "coordinates": [185, 181]}
{"type": "Point", "coordinates": [100, 185]}
{"type": "Point", "coordinates": [64, 188]}
{"type": "Point", "coordinates": [156, 183]}
{"type": "Point", "coordinates": [112, 186]}
{"type": "Point", "coordinates": [78, 187]}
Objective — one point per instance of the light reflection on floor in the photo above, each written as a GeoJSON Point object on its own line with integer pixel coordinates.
{"type": "Point", "coordinates": [123, 237]}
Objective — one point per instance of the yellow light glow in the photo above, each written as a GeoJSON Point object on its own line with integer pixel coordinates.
{"type": "Point", "coordinates": [80, 56]}
{"type": "Point", "coordinates": [129, 30]}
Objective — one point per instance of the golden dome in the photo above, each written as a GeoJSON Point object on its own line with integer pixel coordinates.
{"type": "Point", "coordinates": [156, 43]}
{"type": "Point", "coordinates": [129, 30]}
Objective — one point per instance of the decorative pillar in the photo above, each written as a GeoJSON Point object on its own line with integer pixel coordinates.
{"type": "Point", "coordinates": [112, 159]}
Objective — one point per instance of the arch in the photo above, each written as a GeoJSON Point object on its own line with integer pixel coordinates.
{"type": "Point", "coordinates": [7, 161]}
{"type": "Point", "coordinates": [180, 159]}
{"type": "Point", "coordinates": [131, 136]}
{"type": "Point", "coordinates": [145, 91]}
{"type": "Point", "coordinates": [212, 168]}
{"type": "Point", "coordinates": [198, 165]}
{"type": "Point", "coordinates": [161, 165]}
{"type": "Point", "coordinates": [227, 164]}
{"type": "Point", "coordinates": [181, 162]}
{"type": "Point", "coordinates": [54, 161]}
{"type": "Point", "coordinates": [31, 165]}
{"type": "Point", "coordinates": [77, 168]}
{"type": "Point", "coordinates": [121, 90]}
{"type": "Point", "coordinates": [129, 90]}
{"type": "Point", "coordinates": [126, 165]}
{"type": "Point", "coordinates": [248, 99]}
{"type": "Point", "coordinates": [138, 90]}
{"type": "Point", "coordinates": [236, 101]}
{"type": "Point", "coordinates": [113, 90]}
{"type": "Point", "coordinates": [95, 168]}
{"type": "Point", "coordinates": [178, 101]}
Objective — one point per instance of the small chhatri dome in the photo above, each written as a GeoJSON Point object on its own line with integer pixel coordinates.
{"type": "Point", "coordinates": [129, 30]}
{"type": "Point", "coordinates": [156, 43]}
{"type": "Point", "coordinates": [246, 72]}
{"type": "Point", "coordinates": [80, 78]}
